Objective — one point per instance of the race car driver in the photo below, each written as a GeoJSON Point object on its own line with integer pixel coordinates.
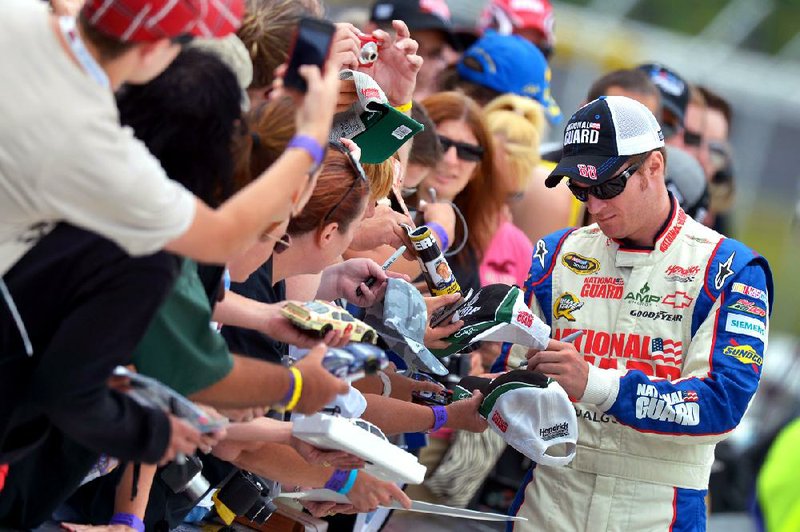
{"type": "Point", "coordinates": [675, 317]}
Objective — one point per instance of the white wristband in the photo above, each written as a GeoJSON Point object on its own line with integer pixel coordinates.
{"type": "Point", "coordinates": [387, 383]}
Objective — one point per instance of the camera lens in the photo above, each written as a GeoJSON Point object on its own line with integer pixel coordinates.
{"type": "Point", "coordinates": [369, 53]}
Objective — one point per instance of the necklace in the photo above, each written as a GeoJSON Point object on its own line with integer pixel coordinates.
{"type": "Point", "coordinates": [86, 60]}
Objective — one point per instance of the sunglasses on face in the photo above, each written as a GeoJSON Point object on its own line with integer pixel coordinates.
{"type": "Point", "coordinates": [464, 151]}
{"type": "Point", "coordinates": [606, 190]}
{"type": "Point", "coordinates": [671, 126]}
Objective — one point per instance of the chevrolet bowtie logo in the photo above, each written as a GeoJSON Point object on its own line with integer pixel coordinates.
{"type": "Point", "coordinates": [678, 300]}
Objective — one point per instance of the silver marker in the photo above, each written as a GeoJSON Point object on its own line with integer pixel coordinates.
{"type": "Point", "coordinates": [568, 338]}
{"type": "Point", "coordinates": [386, 265]}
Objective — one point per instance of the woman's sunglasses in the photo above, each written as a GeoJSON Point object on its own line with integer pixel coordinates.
{"type": "Point", "coordinates": [359, 171]}
{"type": "Point", "coordinates": [608, 189]}
{"type": "Point", "coordinates": [464, 151]}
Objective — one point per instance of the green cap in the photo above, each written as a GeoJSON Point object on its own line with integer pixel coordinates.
{"type": "Point", "coordinates": [378, 128]}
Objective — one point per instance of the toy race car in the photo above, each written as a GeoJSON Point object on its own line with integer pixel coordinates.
{"type": "Point", "coordinates": [353, 361]}
{"type": "Point", "coordinates": [322, 317]}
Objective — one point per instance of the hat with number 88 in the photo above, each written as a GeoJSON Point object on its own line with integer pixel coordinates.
{"type": "Point", "coordinates": [601, 136]}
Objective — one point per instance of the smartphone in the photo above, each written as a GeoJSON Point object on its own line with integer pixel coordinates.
{"type": "Point", "coordinates": [312, 44]}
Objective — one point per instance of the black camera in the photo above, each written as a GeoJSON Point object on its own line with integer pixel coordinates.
{"type": "Point", "coordinates": [248, 495]}
{"type": "Point", "coordinates": [184, 477]}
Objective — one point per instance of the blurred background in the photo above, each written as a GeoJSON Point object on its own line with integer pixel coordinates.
{"type": "Point", "coordinates": [748, 51]}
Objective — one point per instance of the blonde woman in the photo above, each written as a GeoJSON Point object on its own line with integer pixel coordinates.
{"type": "Point", "coordinates": [516, 124]}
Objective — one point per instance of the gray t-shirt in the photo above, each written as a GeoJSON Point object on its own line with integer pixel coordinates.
{"type": "Point", "coordinates": [64, 155]}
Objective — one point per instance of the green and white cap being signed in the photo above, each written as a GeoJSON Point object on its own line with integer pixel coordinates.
{"type": "Point", "coordinates": [531, 412]}
{"type": "Point", "coordinates": [496, 313]}
{"type": "Point", "coordinates": [378, 128]}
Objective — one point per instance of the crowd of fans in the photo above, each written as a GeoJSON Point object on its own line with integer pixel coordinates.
{"type": "Point", "coordinates": [163, 195]}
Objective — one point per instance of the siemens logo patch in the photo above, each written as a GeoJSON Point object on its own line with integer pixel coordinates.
{"type": "Point", "coordinates": [737, 323]}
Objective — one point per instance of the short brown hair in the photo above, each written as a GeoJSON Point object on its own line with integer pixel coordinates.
{"type": "Point", "coordinates": [630, 79]}
{"type": "Point", "coordinates": [715, 101]}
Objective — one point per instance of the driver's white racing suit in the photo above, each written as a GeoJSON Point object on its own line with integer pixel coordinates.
{"type": "Point", "coordinates": [675, 338]}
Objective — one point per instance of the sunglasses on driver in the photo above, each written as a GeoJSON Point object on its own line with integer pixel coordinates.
{"type": "Point", "coordinates": [607, 189]}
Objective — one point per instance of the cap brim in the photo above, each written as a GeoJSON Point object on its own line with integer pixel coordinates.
{"type": "Point", "coordinates": [605, 167]}
{"type": "Point", "coordinates": [552, 110]}
{"type": "Point", "coordinates": [384, 137]}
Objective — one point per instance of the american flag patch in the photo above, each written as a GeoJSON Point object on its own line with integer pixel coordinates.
{"type": "Point", "coordinates": [690, 396]}
{"type": "Point", "coordinates": [667, 351]}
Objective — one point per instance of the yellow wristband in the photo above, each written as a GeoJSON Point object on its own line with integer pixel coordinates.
{"type": "Point", "coordinates": [406, 107]}
{"type": "Point", "coordinates": [298, 388]}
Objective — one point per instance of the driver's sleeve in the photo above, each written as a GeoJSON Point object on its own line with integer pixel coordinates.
{"type": "Point", "coordinates": [721, 368]}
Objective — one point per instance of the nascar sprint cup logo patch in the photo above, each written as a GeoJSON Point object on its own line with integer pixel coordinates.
{"type": "Point", "coordinates": [580, 264]}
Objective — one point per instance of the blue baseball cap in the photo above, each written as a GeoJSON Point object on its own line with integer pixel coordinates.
{"type": "Point", "coordinates": [510, 64]}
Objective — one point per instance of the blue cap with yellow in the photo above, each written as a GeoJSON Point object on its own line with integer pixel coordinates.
{"type": "Point", "coordinates": [510, 64]}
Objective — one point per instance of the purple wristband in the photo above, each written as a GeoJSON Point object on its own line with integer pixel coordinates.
{"type": "Point", "coordinates": [439, 417]}
{"type": "Point", "coordinates": [441, 233]}
{"type": "Point", "coordinates": [337, 480]}
{"type": "Point", "coordinates": [311, 146]}
{"type": "Point", "coordinates": [290, 393]}
{"type": "Point", "coordinates": [130, 520]}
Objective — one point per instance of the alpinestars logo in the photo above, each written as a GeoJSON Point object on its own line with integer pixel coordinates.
{"type": "Point", "coordinates": [724, 271]}
{"type": "Point", "coordinates": [556, 431]}
{"type": "Point", "coordinates": [541, 252]}
{"type": "Point", "coordinates": [675, 407]}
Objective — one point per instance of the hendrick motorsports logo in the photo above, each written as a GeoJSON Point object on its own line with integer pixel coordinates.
{"type": "Point", "coordinates": [580, 264]}
{"type": "Point", "coordinates": [566, 305]}
{"type": "Point", "coordinates": [556, 431]}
